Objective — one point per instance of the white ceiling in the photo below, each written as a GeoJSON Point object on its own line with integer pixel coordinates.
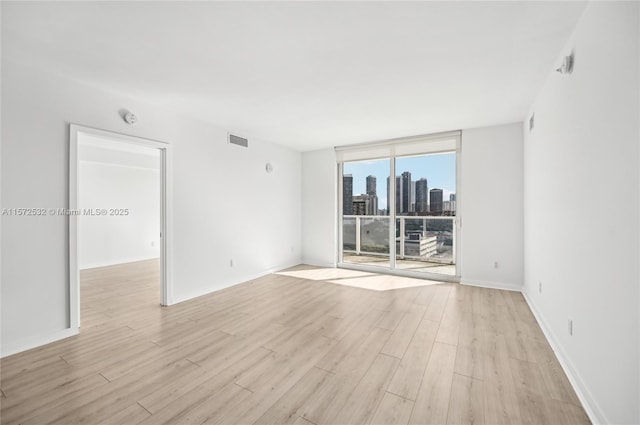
{"type": "Point", "coordinates": [305, 74]}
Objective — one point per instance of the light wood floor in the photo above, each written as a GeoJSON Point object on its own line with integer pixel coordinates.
{"type": "Point", "coordinates": [287, 349]}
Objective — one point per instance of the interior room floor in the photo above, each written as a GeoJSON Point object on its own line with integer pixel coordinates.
{"type": "Point", "coordinates": [292, 347]}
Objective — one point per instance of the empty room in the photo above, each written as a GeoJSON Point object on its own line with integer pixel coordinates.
{"type": "Point", "coordinates": [319, 213]}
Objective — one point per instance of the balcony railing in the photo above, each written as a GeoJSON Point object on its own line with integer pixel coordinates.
{"type": "Point", "coordinates": [429, 239]}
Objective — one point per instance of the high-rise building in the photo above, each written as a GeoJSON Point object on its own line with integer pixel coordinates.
{"type": "Point", "coordinates": [452, 196]}
{"type": "Point", "coordinates": [450, 207]}
{"type": "Point", "coordinates": [413, 196]}
{"type": "Point", "coordinates": [373, 196]}
{"type": "Point", "coordinates": [398, 195]}
{"type": "Point", "coordinates": [435, 200]}
{"type": "Point", "coordinates": [347, 194]}
{"type": "Point", "coordinates": [361, 204]}
{"type": "Point", "coordinates": [373, 205]}
{"type": "Point", "coordinates": [406, 192]}
{"type": "Point", "coordinates": [371, 185]}
{"type": "Point", "coordinates": [422, 196]}
{"type": "Point", "coordinates": [388, 199]}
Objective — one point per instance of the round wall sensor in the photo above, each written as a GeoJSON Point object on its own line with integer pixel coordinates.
{"type": "Point", "coordinates": [268, 167]}
{"type": "Point", "coordinates": [130, 118]}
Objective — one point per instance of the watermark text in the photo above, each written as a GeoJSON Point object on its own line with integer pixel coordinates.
{"type": "Point", "coordinates": [91, 212]}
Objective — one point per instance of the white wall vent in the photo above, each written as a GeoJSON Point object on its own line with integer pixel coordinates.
{"type": "Point", "coordinates": [237, 140]}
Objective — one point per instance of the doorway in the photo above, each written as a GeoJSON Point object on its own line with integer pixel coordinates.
{"type": "Point", "coordinates": [118, 205]}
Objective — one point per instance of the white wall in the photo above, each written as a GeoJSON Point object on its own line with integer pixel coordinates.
{"type": "Point", "coordinates": [491, 206]}
{"type": "Point", "coordinates": [582, 211]}
{"type": "Point", "coordinates": [319, 200]}
{"type": "Point", "coordinates": [225, 206]}
{"type": "Point", "coordinates": [113, 239]}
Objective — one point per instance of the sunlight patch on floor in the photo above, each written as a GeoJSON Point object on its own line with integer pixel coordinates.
{"type": "Point", "coordinates": [317, 273]}
{"type": "Point", "coordinates": [356, 279]}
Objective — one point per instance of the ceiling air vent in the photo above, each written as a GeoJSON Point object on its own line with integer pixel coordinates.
{"type": "Point", "coordinates": [237, 140]}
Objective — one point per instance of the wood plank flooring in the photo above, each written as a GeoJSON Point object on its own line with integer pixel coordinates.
{"type": "Point", "coordinates": [291, 348]}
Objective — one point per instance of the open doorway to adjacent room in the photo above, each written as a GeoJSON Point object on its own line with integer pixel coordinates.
{"type": "Point", "coordinates": [117, 226]}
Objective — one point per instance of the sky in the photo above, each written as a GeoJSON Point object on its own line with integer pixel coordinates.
{"type": "Point", "coordinates": [438, 169]}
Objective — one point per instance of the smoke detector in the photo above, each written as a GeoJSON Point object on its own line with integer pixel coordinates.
{"type": "Point", "coordinates": [130, 118]}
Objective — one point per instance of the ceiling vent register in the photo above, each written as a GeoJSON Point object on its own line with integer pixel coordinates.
{"type": "Point", "coordinates": [237, 140]}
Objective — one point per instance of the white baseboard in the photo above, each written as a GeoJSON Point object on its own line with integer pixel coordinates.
{"type": "Point", "coordinates": [318, 263]}
{"type": "Point", "coordinates": [491, 285]}
{"type": "Point", "coordinates": [36, 341]}
{"type": "Point", "coordinates": [228, 284]}
{"type": "Point", "coordinates": [596, 415]}
{"type": "Point", "coordinates": [116, 262]}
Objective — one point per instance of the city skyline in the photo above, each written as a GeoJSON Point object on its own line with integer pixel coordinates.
{"type": "Point", "coordinates": [438, 169]}
{"type": "Point", "coordinates": [412, 198]}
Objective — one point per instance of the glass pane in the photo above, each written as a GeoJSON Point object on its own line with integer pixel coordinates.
{"type": "Point", "coordinates": [365, 219]}
{"type": "Point", "coordinates": [374, 236]}
{"type": "Point", "coordinates": [426, 208]}
{"type": "Point", "coordinates": [349, 233]}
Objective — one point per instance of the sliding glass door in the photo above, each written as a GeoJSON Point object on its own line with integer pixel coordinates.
{"type": "Point", "coordinates": [405, 223]}
{"type": "Point", "coordinates": [425, 213]}
{"type": "Point", "coordinates": [365, 214]}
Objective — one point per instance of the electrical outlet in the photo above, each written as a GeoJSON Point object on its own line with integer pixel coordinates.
{"type": "Point", "coordinates": [153, 243]}
{"type": "Point", "coordinates": [540, 287]}
{"type": "Point", "coordinates": [571, 327]}
{"type": "Point", "coordinates": [496, 265]}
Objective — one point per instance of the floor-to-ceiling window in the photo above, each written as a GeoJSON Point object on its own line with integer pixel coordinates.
{"type": "Point", "coordinates": [398, 205]}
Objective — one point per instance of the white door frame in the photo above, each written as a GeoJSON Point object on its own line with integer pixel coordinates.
{"type": "Point", "coordinates": [166, 287]}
